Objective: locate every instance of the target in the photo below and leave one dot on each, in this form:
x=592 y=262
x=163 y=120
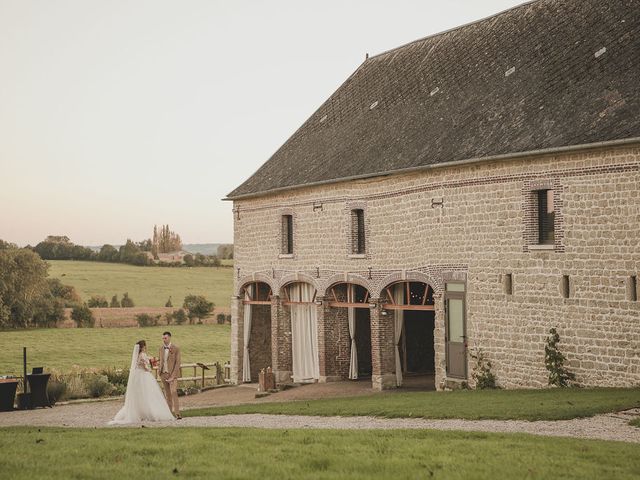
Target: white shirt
x=165 y=367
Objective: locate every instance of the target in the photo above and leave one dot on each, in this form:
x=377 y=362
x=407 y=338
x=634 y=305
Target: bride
x=143 y=400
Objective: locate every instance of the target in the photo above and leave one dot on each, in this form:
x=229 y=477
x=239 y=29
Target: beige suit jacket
x=173 y=361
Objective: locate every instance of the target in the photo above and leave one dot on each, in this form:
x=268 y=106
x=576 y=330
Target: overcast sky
x=118 y=115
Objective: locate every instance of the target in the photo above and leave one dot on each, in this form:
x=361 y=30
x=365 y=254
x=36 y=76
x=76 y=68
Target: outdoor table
x=38 y=388
x=7 y=394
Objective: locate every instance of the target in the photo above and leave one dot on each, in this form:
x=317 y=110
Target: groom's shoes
x=178 y=417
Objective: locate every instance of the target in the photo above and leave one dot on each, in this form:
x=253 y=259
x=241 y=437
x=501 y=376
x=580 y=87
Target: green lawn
x=635 y=422
x=545 y=404
x=148 y=286
x=61 y=348
x=57 y=453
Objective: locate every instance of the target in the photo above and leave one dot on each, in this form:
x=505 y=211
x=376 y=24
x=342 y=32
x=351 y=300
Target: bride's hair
x=141 y=344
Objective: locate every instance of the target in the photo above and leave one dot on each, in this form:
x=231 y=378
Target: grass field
x=106 y=347
x=148 y=286
x=544 y=404
x=32 y=453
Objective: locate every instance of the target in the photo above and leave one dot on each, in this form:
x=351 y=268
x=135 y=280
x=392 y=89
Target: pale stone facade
x=468 y=222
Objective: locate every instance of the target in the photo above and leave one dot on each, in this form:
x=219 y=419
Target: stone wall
x=475 y=222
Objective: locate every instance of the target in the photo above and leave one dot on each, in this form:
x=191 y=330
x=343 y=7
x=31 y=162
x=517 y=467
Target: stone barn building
x=469 y=190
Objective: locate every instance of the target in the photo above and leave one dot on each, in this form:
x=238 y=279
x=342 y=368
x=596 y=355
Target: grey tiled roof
x=543 y=75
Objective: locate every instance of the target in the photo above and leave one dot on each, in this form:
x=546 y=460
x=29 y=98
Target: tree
x=83 y=316
x=126 y=302
x=115 y=303
x=225 y=251
x=6 y=245
x=25 y=296
x=165 y=240
x=58 y=247
x=108 y=253
x=197 y=306
x=66 y=293
x=180 y=316
x=188 y=260
x=169 y=304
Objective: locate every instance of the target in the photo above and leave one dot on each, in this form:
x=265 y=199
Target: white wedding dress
x=143 y=400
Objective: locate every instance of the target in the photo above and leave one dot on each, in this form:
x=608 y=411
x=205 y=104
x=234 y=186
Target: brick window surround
x=530 y=207
x=286 y=233
x=357 y=229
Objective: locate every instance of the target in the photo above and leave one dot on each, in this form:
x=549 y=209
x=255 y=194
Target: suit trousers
x=171 y=393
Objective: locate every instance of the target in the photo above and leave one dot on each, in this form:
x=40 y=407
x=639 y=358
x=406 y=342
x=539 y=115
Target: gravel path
x=91 y=415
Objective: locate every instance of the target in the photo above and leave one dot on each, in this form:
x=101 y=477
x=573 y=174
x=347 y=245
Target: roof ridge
x=452 y=29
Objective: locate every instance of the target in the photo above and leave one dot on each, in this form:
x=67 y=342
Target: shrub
x=482 y=374
x=554 y=362
x=221 y=318
x=127 y=301
x=97 y=301
x=83 y=316
x=98 y=386
x=180 y=316
x=168 y=317
x=118 y=378
x=146 y=320
x=75 y=383
x=229 y=318
x=115 y=303
x=56 y=391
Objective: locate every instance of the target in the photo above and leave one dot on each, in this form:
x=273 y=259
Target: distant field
x=62 y=348
x=148 y=286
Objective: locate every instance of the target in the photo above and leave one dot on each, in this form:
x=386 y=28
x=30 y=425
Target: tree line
x=142 y=253
x=29 y=299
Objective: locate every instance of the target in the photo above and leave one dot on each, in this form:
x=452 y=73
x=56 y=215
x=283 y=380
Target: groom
x=169 y=367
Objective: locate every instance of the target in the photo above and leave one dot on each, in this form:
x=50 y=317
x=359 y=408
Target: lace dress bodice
x=143 y=362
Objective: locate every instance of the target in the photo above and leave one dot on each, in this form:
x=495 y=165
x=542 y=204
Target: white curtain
x=398 y=299
x=246 y=367
x=351 y=315
x=304 y=334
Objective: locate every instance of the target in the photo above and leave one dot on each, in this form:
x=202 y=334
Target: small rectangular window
x=455 y=287
x=507 y=281
x=287 y=234
x=358 y=243
x=546 y=217
x=632 y=288
x=565 y=287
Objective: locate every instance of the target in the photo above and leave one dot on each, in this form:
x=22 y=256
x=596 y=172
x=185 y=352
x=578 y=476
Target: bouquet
x=154 y=362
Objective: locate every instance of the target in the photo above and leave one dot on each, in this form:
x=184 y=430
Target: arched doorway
x=256 y=302
x=410 y=305
x=352 y=302
x=300 y=299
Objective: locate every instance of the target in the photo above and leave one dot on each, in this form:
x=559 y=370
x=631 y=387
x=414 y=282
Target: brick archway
x=255 y=277
x=293 y=278
x=410 y=276
x=345 y=278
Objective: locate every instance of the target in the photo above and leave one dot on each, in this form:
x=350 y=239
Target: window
x=546 y=217
x=565 y=288
x=358 y=244
x=287 y=234
x=632 y=288
x=507 y=281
